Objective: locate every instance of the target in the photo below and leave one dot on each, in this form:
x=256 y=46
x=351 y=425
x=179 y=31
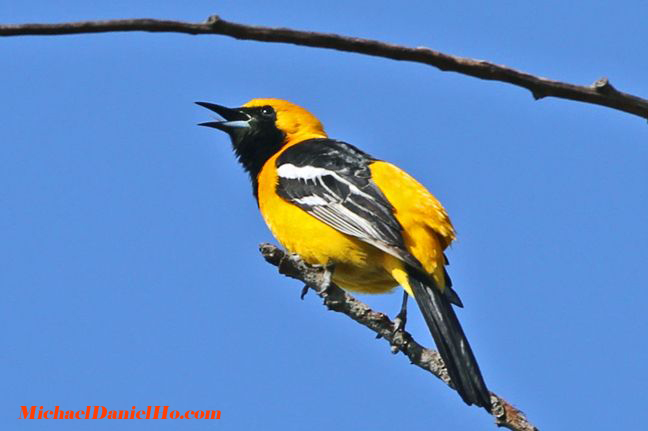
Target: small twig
x=338 y=300
x=538 y=86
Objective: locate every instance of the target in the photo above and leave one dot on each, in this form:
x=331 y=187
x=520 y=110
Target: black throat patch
x=255 y=145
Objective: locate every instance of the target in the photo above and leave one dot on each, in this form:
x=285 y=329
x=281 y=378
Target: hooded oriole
x=374 y=224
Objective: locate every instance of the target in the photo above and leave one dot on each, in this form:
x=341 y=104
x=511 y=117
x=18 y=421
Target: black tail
x=452 y=343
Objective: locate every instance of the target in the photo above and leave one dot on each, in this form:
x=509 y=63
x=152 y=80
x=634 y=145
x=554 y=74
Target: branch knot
x=213 y=20
x=603 y=86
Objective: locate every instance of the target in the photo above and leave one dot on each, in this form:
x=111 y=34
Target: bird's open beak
x=234 y=119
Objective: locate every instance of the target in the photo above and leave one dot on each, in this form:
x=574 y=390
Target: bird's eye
x=267 y=111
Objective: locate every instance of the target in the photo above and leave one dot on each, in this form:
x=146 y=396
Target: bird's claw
x=304 y=291
x=399 y=322
x=321 y=283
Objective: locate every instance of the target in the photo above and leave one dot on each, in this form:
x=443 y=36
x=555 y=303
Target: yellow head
x=295 y=121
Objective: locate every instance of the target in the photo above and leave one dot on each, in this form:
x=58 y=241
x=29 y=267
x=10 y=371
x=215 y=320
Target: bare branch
x=600 y=93
x=338 y=300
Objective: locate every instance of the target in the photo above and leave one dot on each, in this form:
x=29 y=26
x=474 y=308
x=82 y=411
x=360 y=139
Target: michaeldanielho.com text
x=101 y=412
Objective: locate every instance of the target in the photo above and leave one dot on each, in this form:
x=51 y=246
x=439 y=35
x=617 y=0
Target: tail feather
x=451 y=341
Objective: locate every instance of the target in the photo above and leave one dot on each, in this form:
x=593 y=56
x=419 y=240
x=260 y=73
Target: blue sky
x=130 y=271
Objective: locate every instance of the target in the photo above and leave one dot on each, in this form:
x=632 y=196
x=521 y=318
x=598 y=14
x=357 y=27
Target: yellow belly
x=369 y=280
x=357 y=265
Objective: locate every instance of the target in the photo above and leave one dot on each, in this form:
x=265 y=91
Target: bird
x=370 y=222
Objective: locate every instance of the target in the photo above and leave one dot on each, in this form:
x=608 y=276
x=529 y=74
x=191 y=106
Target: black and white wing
x=331 y=181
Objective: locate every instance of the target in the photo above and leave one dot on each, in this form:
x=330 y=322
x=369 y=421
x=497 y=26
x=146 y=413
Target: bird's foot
x=399 y=328
x=326 y=279
x=400 y=321
x=304 y=291
x=321 y=282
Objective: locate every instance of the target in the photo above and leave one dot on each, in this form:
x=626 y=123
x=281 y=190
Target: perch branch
x=600 y=92
x=338 y=300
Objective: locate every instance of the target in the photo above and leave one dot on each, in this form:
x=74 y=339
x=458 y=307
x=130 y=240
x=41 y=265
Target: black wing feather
x=331 y=180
